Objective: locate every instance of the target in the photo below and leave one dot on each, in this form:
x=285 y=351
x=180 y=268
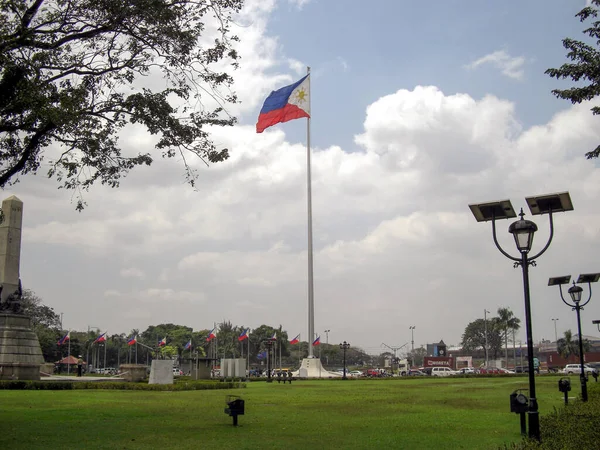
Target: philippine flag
x=296 y=340
x=243 y=335
x=162 y=342
x=262 y=355
x=132 y=340
x=65 y=338
x=274 y=337
x=101 y=338
x=317 y=341
x=188 y=345
x=211 y=335
x=285 y=104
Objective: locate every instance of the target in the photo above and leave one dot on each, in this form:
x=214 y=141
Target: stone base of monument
x=312 y=368
x=161 y=372
x=133 y=372
x=20 y=351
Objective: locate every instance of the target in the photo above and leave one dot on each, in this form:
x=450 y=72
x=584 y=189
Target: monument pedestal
x=20 y=351
x=133 y=372
x=312 y=368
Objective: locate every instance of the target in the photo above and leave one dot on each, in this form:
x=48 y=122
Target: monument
x=20 y=352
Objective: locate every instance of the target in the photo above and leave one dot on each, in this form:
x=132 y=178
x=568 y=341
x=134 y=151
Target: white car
x=443 y=372
x=576 y=369
x=467 y=371
x=177 y=372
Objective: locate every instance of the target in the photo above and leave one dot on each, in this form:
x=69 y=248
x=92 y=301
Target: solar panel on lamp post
x=523 y=232
x=575 y=294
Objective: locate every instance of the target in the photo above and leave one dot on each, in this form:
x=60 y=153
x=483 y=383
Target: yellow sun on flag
x=301 y=96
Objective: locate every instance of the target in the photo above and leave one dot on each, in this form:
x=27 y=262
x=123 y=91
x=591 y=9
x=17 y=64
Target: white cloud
x=299 y=3
x=510 y=66
x=132 y=272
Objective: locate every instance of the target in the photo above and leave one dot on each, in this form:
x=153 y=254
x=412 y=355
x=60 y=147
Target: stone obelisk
x=20 y=352
x=10 y=245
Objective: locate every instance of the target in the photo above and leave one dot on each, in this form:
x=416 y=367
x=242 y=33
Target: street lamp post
x=327 y=336
x=485 y=349
x=523 y=232
x=412 y=338
x=575 y=294
x=555 y=332
x=344 y=346
x=270 y=344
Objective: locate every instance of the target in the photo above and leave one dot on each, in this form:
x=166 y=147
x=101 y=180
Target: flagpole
x=248 y=352
x=311 y=299
x=69 y=355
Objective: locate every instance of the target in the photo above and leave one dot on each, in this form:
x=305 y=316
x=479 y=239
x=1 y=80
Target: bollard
x=564 y=385
x=235 y=408
x=518 y=405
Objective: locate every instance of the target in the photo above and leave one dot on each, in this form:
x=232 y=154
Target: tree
x=45 y=323
x=585 y=66
x=568 y=346
x=507 y=322
x=75 y=73
x=475 y=336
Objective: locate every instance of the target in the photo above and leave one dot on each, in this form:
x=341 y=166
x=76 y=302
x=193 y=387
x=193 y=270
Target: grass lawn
x=470 y=413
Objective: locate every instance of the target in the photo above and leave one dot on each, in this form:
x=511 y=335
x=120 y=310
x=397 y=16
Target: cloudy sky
x=419 y=108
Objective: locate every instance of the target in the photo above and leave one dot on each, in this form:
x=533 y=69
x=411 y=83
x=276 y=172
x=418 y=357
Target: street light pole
x=412 y=338
x=523 y=232
x=327 y=336
x=555 y=333
x=485 y=349
x=344 y=346
x=575 y=294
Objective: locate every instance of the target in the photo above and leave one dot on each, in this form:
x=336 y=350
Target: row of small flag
x=133 y=339
x=67 y=337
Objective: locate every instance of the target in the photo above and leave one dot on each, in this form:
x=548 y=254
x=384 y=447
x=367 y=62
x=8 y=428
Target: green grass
x=470 y=413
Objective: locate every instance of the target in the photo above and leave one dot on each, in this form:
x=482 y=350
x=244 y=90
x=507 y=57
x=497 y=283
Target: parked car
x=177 y=372
x=416 y=373
x=355 y=373
x=576 y=368
x=488 y=370
x=443 y=371
x=467 y=370
x=522 y=369
x=507 y=371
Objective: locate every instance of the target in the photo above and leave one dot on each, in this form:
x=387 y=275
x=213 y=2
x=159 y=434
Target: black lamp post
x=270 y=344
x=344 y=346
x=523 y=232
x=575 y=294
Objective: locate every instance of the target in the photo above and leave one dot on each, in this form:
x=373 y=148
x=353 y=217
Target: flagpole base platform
x=20 y=352
x=313 y=368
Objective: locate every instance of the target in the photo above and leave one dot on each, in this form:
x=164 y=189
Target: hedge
x=124 y=386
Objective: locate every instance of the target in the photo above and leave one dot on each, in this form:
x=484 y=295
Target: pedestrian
x=79 y=366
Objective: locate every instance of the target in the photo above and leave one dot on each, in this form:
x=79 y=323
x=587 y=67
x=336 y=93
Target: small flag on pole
x=188 y=345
x=132 y=340
x=285 y=104
x=65 y=338
x=211 y=335
x=274 y=337
x=243 y=335
x=262 y=355
x=317 y=341
x=162 y=342
x=296 y=340
x=101 y=338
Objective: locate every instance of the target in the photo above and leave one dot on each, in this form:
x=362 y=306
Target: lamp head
x=523 y=231
x=575 y=293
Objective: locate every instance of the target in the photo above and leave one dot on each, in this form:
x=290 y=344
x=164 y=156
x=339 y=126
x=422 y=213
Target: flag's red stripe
x=285 y=114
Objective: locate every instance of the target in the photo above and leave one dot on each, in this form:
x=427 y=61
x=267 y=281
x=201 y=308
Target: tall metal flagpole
x=69 y=355
x=311 y=298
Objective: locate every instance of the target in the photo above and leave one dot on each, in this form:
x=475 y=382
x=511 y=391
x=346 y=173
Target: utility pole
x=394 y=349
